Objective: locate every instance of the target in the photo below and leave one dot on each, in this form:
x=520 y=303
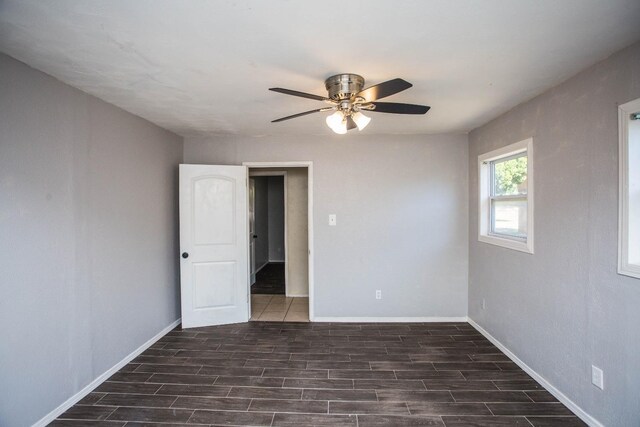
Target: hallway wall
x=276 y=218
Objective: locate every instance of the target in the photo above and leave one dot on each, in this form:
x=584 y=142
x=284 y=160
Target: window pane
x=509 y=217
x=510 y=176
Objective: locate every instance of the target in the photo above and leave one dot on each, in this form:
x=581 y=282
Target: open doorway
x=267 y=239
x=279 y=246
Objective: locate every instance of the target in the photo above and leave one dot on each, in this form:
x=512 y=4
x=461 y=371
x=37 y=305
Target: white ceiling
x=204 y=66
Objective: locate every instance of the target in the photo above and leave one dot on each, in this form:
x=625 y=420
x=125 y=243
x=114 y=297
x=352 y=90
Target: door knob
x=255 y=236
x=185 y=255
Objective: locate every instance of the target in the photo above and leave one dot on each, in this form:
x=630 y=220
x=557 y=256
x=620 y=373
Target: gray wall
x=401 y=205
x=261 y=220
x=88 y=243
x=565 y=308
x=276 y=218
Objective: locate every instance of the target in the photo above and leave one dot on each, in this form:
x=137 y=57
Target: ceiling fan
x=348 y=100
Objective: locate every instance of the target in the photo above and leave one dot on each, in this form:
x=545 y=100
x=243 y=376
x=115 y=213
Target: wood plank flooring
x=321 y=374
x=270 y=280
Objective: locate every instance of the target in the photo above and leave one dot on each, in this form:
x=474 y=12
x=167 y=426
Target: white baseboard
x=389 y=319
x=584 y=416
x=279 y=261
x=298 y=296
x=261 y=267
x=102 y=378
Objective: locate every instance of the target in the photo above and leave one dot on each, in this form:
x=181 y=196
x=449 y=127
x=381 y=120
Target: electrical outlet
x=597 y=377
x=378 y=294
x=484 y=304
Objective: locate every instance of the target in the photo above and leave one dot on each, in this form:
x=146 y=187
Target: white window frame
x=624 y=117
x=484 y=197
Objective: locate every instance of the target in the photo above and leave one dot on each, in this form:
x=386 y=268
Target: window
x=506 y=197
x=629 y=200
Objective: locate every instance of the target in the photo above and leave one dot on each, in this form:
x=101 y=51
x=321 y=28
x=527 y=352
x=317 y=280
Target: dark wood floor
x=270 y=280
x=319 y=374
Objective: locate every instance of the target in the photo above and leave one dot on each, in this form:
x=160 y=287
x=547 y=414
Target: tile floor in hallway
x=274 y=308
x=321 y=374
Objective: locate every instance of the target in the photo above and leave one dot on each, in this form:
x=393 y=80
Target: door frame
x=252 y=254
x=286 y=252
x=294 y=164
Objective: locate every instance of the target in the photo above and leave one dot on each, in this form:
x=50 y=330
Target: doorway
x=279 y=236
x=267 y=232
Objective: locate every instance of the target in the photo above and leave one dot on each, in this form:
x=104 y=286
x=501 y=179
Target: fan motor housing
x=344 y=86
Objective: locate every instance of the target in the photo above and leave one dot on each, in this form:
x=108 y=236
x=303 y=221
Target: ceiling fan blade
x=300 y=94
x=399 y=108
x=351 y=124
x=384 y=89
x=301 y=114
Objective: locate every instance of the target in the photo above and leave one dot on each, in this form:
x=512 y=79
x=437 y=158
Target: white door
x=252 y=229
x=213 y=244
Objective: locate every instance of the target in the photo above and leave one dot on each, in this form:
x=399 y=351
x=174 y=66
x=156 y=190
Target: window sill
x=631 y=270
x=515 y=245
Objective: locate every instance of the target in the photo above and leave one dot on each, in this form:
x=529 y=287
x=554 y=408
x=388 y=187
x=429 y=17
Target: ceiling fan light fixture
x=347 y=98
x=361 y=120
x=337 y=122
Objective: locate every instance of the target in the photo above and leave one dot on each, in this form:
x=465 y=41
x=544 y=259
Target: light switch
x=597 y=377
x=332 y=219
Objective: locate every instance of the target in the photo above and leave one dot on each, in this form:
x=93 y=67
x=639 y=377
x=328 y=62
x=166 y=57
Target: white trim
x=252 y=252
x=285 y=197
x=103 y=377
x=311 y=247
x=266 y=173
x=483 y=196
x=624 y=267
x=249 y=238
x=262 y=266
x=581 y=413
x=277 y=261
x=310 y=236
x=293 y=164
x=390 y=319
x=505 y=243
x=299 y=296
